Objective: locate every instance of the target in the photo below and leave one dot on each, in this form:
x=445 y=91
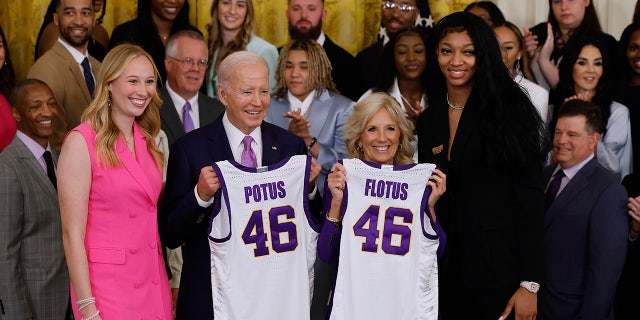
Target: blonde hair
x=318 y=65
x=363 y=111
x=215 y=33
x=98 y=114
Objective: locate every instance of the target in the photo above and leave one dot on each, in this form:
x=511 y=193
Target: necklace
x=409 y=103
x=452 y=106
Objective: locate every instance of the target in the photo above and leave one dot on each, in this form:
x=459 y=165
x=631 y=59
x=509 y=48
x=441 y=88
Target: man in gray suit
x=184 y=108
x=34 y=283
x=68 y=68
x=586 y=225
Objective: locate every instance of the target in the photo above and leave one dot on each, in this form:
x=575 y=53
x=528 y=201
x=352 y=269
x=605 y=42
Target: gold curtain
x=353 y=24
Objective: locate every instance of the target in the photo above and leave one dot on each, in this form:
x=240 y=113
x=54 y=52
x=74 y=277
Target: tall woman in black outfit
x=486 y=135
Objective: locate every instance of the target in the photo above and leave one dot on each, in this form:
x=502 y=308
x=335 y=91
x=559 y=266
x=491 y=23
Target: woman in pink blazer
x=109 y=182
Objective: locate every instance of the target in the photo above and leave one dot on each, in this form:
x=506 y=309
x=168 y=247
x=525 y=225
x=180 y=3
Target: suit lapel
x=170 y=115
x=571 y=190
x=319 y=109
x=205 y=110
x=271 y=150
x=74 y=68
x=132 y=164
x=32 y=165
x=218 y=137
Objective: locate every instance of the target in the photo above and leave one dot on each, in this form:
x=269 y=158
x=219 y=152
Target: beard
x=312 y=33
x=65 y=33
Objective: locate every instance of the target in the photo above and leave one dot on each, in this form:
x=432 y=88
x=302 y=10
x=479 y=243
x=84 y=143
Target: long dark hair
x=496 y=16
x=387 y=70
x=565 y=88
x=7 y=74
x=624 y=43
x=509 y=126
x=590 y=26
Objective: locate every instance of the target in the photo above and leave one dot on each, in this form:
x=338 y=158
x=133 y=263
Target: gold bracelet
x=334 y=220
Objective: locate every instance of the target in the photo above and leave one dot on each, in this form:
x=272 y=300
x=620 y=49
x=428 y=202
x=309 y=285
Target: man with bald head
x=34 y=283
x=243 y=89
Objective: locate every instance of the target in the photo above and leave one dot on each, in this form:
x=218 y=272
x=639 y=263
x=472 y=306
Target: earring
x=517 y=66
x=109 y=101
x=6 y=63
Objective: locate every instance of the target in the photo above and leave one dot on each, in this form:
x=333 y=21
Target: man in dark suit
x=186 y=64
x=34 y=283
x=305 y=21
x=68 y=68
x=183 y=108
x=395 y=16
x=191 y=181
x=586 y=226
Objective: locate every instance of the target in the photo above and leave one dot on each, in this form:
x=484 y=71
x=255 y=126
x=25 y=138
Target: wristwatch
x=531 y=286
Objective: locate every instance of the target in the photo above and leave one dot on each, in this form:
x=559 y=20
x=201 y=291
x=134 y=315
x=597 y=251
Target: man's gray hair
x=235 y=60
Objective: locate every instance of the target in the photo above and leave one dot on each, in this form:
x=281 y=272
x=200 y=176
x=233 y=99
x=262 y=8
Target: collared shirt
x=36 y=149
x=178 y=103
x=569 y=173
x=321 y=38
x=77 y=56
x=304 y=106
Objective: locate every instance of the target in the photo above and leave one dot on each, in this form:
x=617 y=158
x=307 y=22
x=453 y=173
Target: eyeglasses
x=405 y=8
x=189 y=62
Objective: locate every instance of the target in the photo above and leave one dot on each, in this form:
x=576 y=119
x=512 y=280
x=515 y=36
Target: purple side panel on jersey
x=435 y=225
x=217 y=206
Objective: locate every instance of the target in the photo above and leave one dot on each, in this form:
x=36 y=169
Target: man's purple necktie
x=186 y=118
x=248 y=156
x=554 y=188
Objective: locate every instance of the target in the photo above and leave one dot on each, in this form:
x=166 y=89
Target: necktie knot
x=51 y=171
x=88 y=77
x=554 y=187
x=187 y=122
x=248 y=158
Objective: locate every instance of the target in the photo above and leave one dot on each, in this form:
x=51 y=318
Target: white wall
x=614 y=15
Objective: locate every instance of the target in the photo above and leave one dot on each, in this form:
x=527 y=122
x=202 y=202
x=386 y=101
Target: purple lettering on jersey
x=288 y=227
x=386 y=189
x=403 y=195
x=265 y=191
x=390 y=228
x=368 y=187
x=281 y=190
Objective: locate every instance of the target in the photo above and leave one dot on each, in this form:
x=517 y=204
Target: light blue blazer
x=328 y=115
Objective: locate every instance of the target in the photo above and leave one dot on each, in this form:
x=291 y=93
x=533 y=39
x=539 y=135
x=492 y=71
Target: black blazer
x=493 y=216
x=209 y=110
x=184 y=222
x=367 y=61
x=344 y=70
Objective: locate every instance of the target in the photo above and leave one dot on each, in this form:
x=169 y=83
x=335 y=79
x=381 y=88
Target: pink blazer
x=127 y=273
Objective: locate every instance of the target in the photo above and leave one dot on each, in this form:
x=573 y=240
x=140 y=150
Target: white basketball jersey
x=263 y=241
x=388 y=249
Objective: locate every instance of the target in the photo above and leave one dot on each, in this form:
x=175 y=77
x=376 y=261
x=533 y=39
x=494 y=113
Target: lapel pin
x=274 y=148
x=437 y=149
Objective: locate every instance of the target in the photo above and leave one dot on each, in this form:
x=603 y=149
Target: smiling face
x=587 y=70
x=246 y=96
x=633 y=53
x=35 y=113
x=231 y=14
x=296 y=74
x=166 y=10
x=132 y=91
x=395 y=19
x=572 y=142
x=380 y=138
x=457 y=59
x=186 y=81
x=569 y=13
x=305 y=18
x=510 y=46
x=75 y=20
x=410 y=56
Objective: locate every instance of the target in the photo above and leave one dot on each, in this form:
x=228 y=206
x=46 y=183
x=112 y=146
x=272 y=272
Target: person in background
x=109 y=181
x=586 y=72
x=488 y=11
x=517 y=61
x=49 y=33
x=231 y=30
x=484 y=132
x=630 y=55
x=402 y=74
x=305 y=21
x=395 y=15
x=7 y=80
x=68 y=68
x=34 y=283
x=155 y=23
x=586 y=226
x=546 y=42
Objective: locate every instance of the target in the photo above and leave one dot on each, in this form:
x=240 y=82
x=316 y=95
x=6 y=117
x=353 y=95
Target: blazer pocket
x=107 y=255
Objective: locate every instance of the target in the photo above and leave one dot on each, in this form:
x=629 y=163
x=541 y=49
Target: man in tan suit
x=67 y=68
